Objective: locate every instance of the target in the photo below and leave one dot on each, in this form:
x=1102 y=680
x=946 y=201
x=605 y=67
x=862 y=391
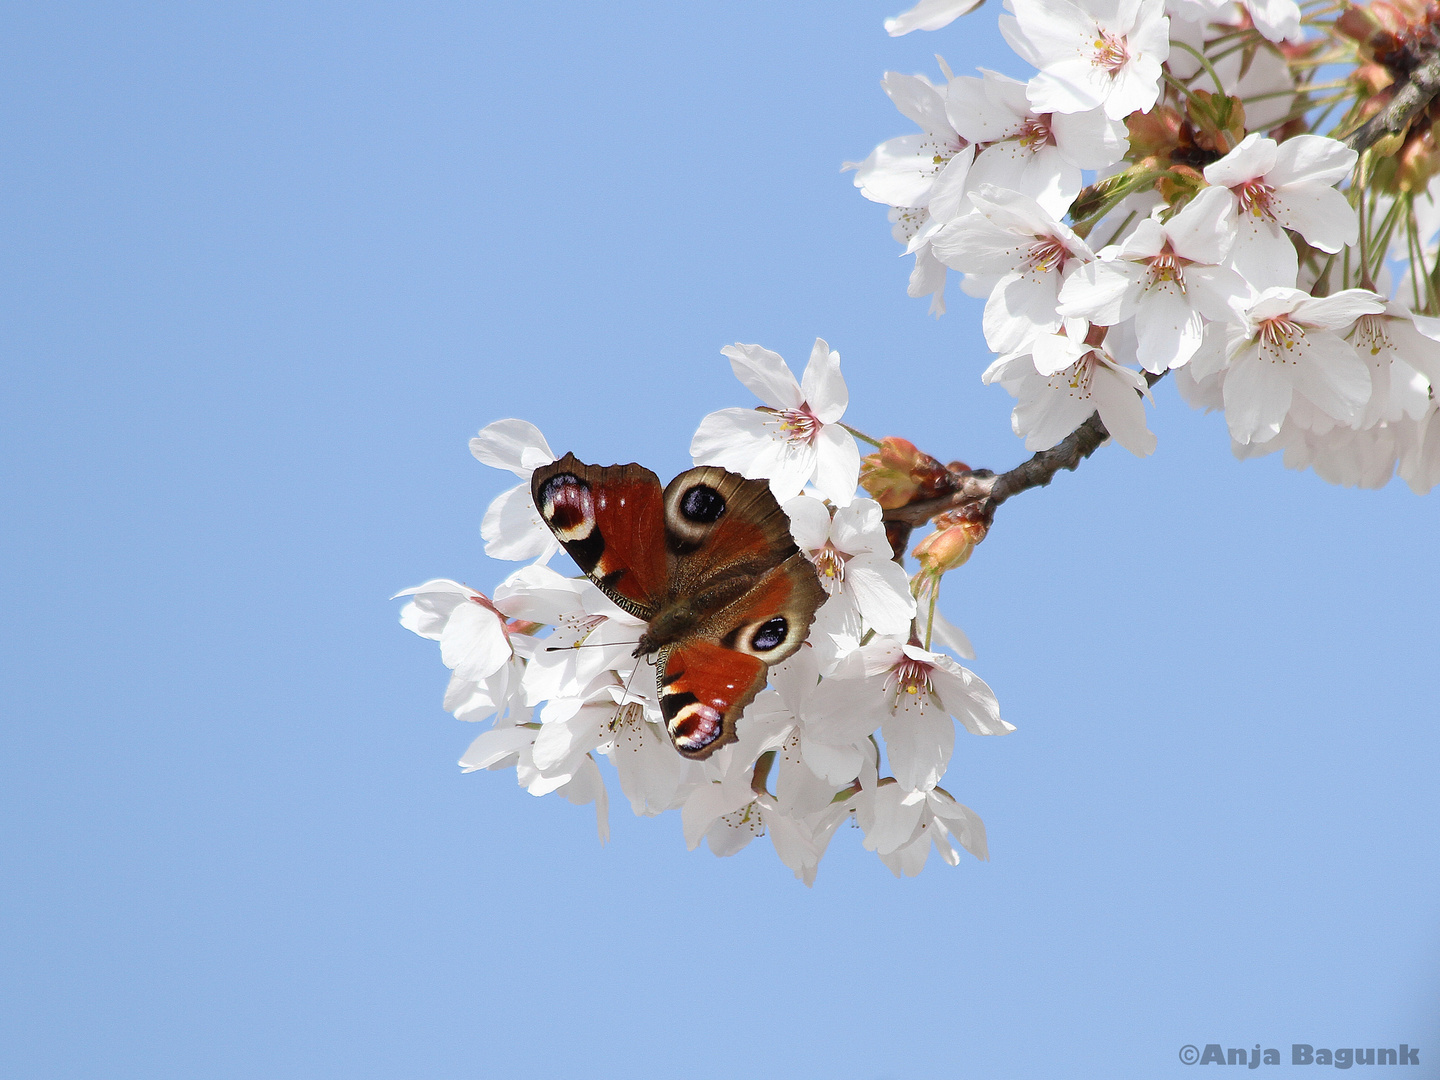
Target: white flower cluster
x=548 y=659
x=1212 y=240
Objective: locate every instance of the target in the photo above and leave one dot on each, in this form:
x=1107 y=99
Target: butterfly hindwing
x=611 y=521
x=706 y=683
x=703 y=689
x=773 y=618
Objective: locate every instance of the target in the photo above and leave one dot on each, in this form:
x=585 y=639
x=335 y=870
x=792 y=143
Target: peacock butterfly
x=708 y=563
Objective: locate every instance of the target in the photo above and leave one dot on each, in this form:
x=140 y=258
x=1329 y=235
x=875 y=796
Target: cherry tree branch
x=986 y=490
x=1409 y=101
x=979 y=492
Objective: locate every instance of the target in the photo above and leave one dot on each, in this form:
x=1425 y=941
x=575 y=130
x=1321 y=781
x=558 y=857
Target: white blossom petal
x=823 y=387
x=516 y=445
x=929 y=15
x=765 y=375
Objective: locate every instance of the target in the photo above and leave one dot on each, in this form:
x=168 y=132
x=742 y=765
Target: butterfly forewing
x=718 y=524
x=611 y=521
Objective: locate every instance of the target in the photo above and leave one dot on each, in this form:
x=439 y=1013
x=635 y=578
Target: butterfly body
x=708 y=562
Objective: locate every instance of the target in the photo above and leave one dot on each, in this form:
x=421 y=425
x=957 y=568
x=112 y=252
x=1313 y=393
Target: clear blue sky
x=267 y=267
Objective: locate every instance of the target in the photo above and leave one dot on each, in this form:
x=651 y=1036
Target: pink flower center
x=797 y=425
x=1048 y=253
x=1255 y=197
x=1280 y=333
x=830 y=565
x=1110 y=51
x=1035 y=132
x=909 y=683
x=1166 y=267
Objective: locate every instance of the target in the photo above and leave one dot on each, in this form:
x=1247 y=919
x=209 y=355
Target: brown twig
x=981 y=491
x=1409 y=101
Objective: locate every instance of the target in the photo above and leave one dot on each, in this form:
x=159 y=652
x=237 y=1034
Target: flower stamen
x=1035 y=132
x=1110 y=51
x=1255 y=197
x=1280 y=333
x=1166 y=267
x=1370 y=334
x=830 y=566
x=797 y=426
x=908 y=683
x=1048 y=253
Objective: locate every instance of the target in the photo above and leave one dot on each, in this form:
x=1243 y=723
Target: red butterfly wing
x=611 y=521
x=703 y=689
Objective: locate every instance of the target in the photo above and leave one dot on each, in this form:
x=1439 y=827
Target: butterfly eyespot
x=567 y=505
x=770 y=635
x=702 y=504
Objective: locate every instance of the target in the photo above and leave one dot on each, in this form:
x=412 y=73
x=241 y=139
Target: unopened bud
x=951 y=543
x=1417 y=162
x=1180 y=184
x=1218 y=118
x=1360 y=24
x=1154 y=134
x=898 y=474
x=1393 y=18
x=1371 y=79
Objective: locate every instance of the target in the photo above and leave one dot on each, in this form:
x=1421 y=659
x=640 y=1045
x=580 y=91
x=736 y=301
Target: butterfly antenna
x=628 y=682
x=589 y=645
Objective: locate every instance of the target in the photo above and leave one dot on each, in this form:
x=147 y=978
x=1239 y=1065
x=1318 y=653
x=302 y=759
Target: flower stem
x=930 y=616
x=862 y=436
x=1204 y=62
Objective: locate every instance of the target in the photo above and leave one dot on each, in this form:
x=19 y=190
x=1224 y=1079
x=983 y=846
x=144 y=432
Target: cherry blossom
x=1338 y=455
x=901 y=825
x=1012 y=237
x=1059 y=381
x=922 y=177
x=929 y=15
x=1164 y=275
x=1036 y=154
x=1419 y=450
x=1402 y=351
x=905 y=171
x=868 y=589
x=916 y=692
x=1291 y=344
x=1278 y=186
x=796 y=437
x=1162 y=193
x=653 y=777
x=1088 y=60
x=820 y=730
x=474 y=642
